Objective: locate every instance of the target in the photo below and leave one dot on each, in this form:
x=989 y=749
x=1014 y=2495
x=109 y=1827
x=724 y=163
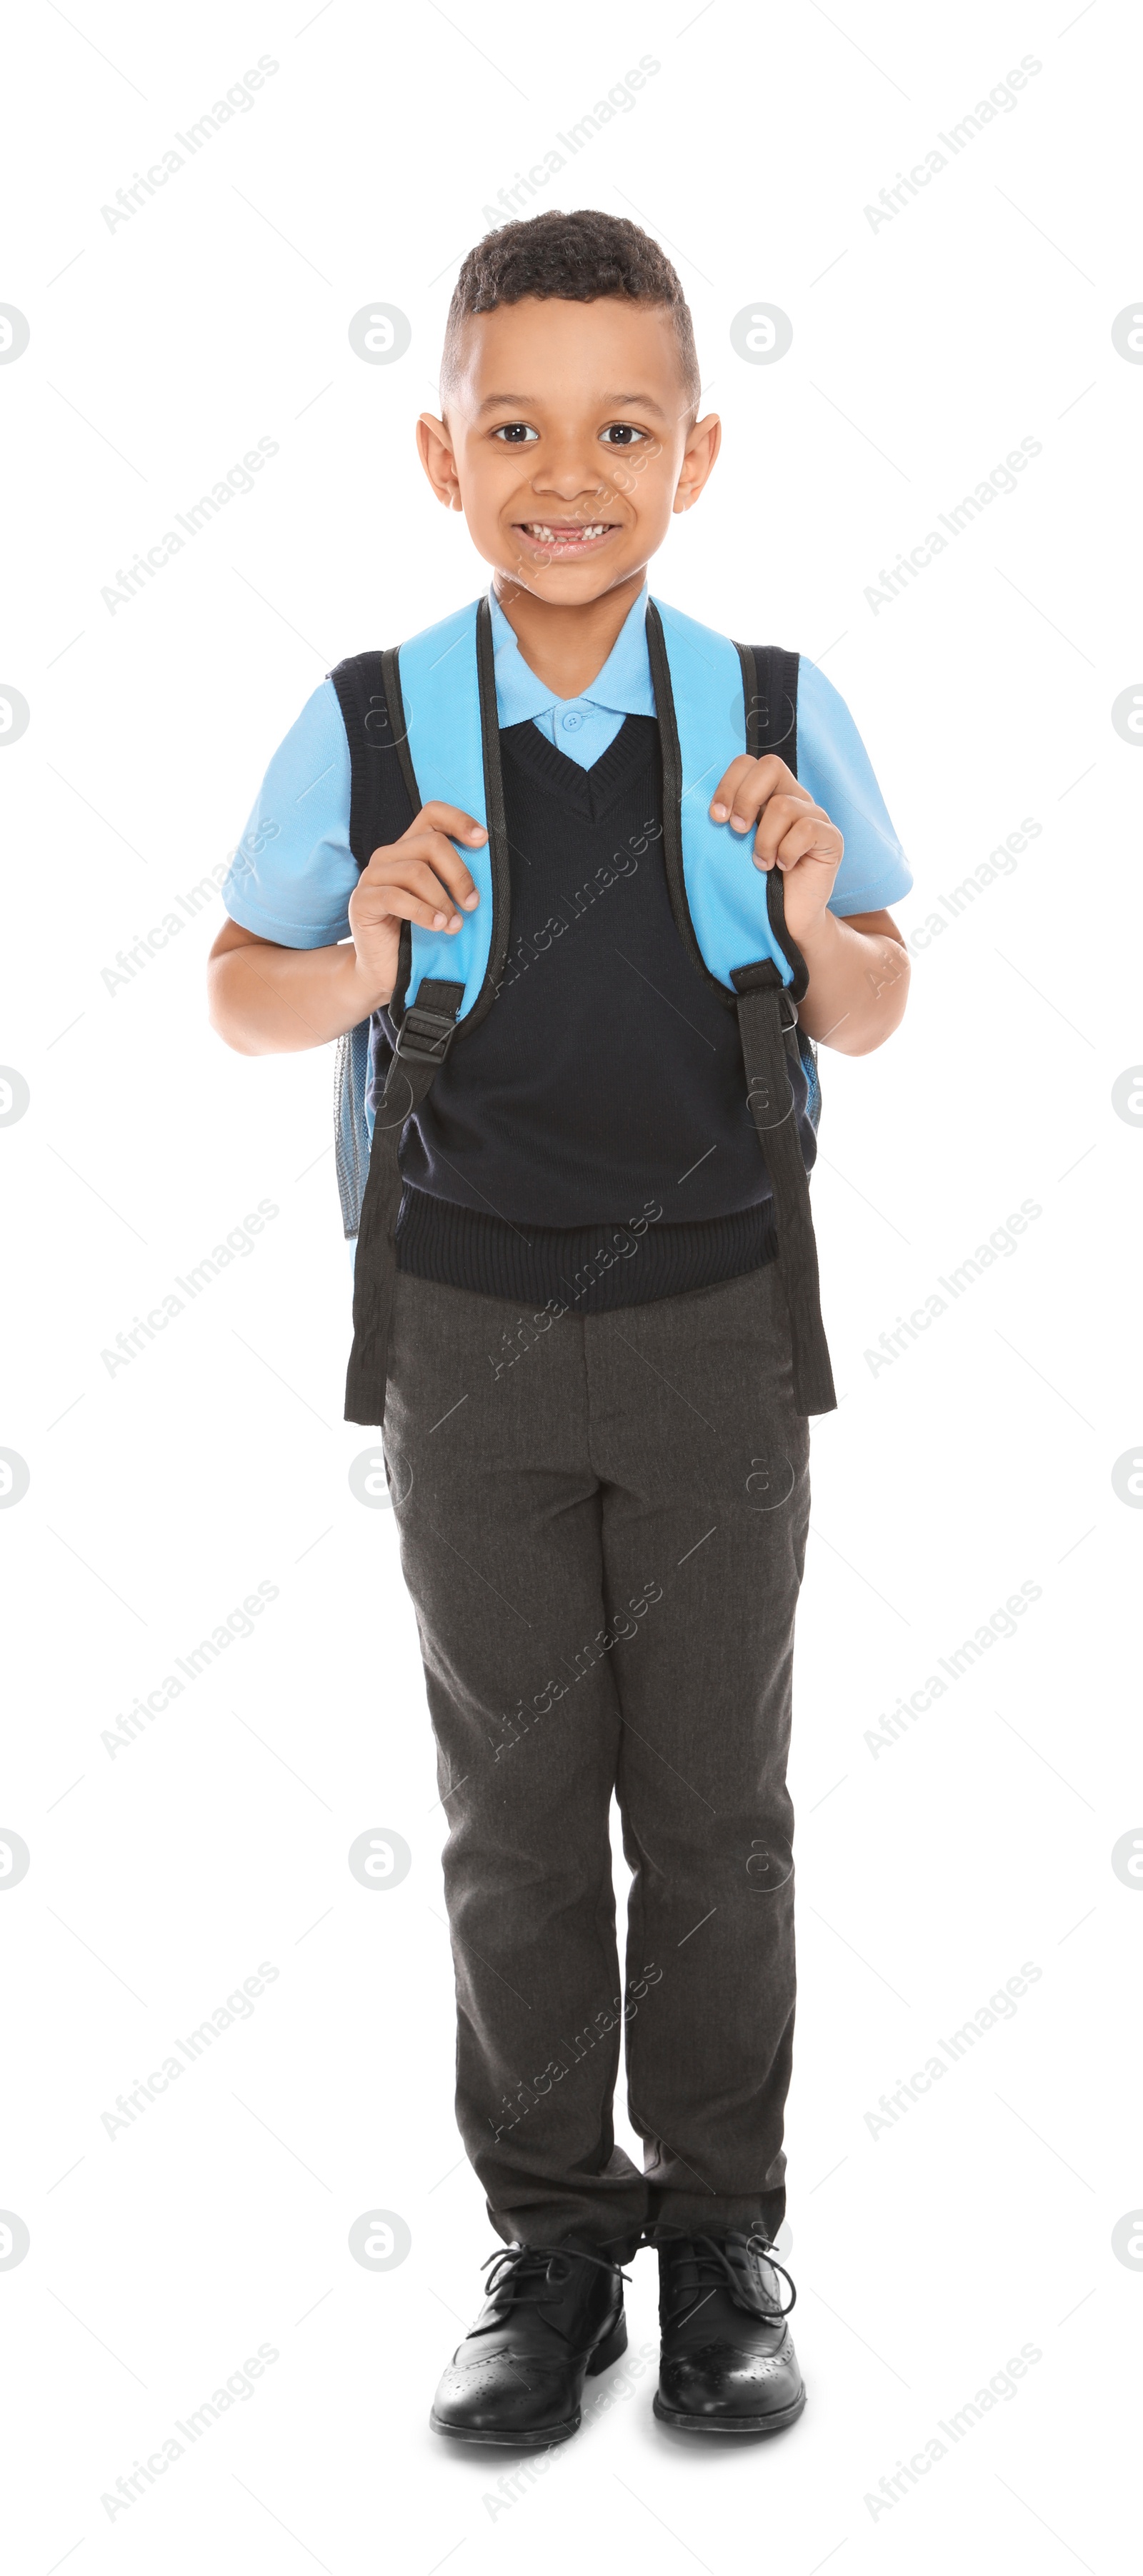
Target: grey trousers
x=602 y=1524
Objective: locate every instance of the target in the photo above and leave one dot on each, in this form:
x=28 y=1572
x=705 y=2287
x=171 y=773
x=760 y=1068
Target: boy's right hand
x=419 y=878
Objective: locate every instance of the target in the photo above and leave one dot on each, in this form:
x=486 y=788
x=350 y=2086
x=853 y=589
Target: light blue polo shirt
x=582 y=727
x=294 y=872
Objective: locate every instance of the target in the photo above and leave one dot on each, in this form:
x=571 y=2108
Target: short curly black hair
x=576 y=257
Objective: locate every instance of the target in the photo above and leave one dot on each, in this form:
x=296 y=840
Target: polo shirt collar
x=622 y=687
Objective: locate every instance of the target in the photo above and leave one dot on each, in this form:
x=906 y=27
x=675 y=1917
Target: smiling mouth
x=566 y=536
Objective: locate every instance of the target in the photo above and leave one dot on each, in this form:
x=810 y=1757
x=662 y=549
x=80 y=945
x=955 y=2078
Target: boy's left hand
x=793 y=834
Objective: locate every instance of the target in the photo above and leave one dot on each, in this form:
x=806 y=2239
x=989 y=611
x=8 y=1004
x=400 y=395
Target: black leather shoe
x=554 y=2317
x=728 y=2360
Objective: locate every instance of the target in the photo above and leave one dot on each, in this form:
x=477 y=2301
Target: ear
x=436 y=453
x=703 y=443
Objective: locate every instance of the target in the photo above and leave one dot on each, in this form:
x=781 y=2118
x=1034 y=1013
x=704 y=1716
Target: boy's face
x=568 y=442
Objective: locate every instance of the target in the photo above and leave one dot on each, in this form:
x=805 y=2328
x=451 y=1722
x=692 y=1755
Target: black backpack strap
x=498 y=853
x=369 y=692
x=363 y=690
x=768 y=1026
x=770 y=698
x=671 y=758
x=423 y=1040
x=767 y=1009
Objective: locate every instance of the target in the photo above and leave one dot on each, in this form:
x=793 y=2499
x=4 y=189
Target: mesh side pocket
x=809 y=1055
x=350 y=1131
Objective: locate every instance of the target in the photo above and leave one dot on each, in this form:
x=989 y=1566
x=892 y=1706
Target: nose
x=568 y=474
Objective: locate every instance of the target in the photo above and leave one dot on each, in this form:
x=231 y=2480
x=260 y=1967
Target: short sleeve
x=834 y=764
x=293 y=871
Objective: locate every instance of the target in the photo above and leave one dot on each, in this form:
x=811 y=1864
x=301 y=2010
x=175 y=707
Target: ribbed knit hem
x=589 y=1270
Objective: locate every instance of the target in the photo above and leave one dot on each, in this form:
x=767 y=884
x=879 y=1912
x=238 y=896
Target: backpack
x=433 y=700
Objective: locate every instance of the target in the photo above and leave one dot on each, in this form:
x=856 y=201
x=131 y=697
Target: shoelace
x=527 y=2275
x=706 y=2266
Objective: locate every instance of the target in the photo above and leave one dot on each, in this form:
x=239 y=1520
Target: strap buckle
x=763 y=976
x=424 y=1036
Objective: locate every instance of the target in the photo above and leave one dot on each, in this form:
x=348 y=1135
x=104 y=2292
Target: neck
x=566 y=646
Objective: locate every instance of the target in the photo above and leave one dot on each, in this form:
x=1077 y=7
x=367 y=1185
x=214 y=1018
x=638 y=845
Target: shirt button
x=571 y=720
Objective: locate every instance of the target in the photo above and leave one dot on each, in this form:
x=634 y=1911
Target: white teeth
x=565 y=537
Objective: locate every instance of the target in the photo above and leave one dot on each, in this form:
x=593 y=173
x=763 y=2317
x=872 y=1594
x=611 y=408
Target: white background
x=980 y=1459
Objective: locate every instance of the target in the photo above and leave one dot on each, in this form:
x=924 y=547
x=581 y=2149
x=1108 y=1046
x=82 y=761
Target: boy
x=585 y=1303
